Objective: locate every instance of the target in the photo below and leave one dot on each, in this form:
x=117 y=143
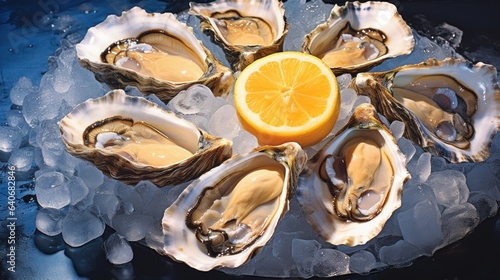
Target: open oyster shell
x=356 y=181
x=359 y=36
x=131 y=139
x=151 y=52
x=450 y=107
x=225 y=217
x=246 y=30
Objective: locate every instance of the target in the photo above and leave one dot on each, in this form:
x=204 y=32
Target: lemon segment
x=287 y=96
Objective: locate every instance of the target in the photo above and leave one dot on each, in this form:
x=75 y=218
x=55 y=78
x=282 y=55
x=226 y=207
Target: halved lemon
x=287 y=97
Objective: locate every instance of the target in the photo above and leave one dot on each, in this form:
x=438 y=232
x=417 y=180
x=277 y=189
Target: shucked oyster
x=247 y=30
x=356 y=181
x=230 y=212
x=358 y=36
x=153 y=52
x=451 y=107
x=131 y=139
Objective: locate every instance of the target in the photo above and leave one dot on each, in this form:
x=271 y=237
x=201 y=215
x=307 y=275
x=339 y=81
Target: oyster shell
x=246 y=30
x=224 y=218
x=358 y=36
x=139 y=49
x=131 y=139
x=356 y=181
x=450 y=107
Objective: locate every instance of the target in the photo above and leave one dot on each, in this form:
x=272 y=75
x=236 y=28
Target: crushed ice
x=444 y=201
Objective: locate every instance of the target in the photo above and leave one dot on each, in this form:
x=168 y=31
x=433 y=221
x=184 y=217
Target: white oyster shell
x=231 y=21
x=366 y=17
x=181 y=242
x=320 y=196
x=207 y=150
x=472 y=115
x=131 y=24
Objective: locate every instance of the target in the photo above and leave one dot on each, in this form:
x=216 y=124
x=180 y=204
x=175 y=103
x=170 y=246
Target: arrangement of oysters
x=232 y=206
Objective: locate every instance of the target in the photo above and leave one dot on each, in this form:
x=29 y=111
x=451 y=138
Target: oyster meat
x=224 y=218
x=450 y=107
x=153 y=52
x=246 y=30
x=131 y=139
x=356 y=181
x=358 y=36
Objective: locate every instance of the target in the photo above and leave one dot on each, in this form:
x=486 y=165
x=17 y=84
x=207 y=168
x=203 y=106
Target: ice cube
x=92 y=176
x=50 y=141
x=344 y=80
x=62 y=79
x=330 y=262
x=407 y=148
x=397 y=128
x=20 y=90
x=49 y=221
x=481 y=178
x=146 y=191
x=10 y=140
x=224 y=122
x=421 y=225
x=458 y=221
x=244 y=142
x=129 y=197
x=77 y=188
x=24 y=161
x=193 y=100
x=43 y=105
x=118 y=250
x=51 y=190
x=15 y=118
x=422 y=169
x=449 y=186
x=307 y=15
x=399 y=254
x=80 y=227
x=361 y=99
x=132 y=226
x=154 y=236
x=84 y=86
x=362 y=262
x=303 y=253
x=486 y=206
x=105 y=205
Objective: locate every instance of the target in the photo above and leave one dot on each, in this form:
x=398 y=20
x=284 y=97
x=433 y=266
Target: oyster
x=358 y=36
x=230 y=212
x=131 y=139
x=356 y=181
x=246 y=30
x=450 y=107
x=153 y=52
